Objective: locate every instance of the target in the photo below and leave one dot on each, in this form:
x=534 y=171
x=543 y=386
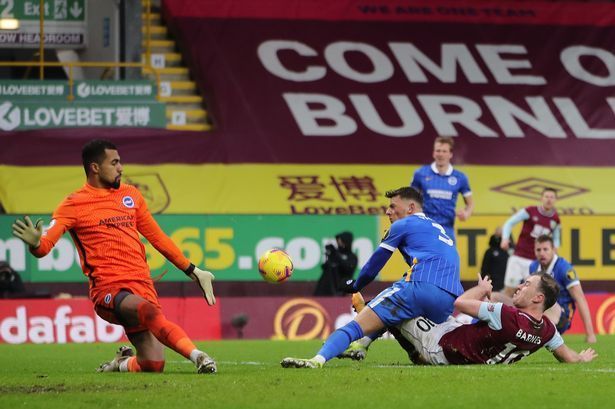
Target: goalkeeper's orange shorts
x=104 y=299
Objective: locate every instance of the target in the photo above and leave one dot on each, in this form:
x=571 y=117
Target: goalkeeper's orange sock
x=133 y=364
x=165 y=331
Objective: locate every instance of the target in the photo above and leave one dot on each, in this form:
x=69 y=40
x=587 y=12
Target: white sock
x=365 y=341
x=194 y=355
x=124 y=365
x=320 y=358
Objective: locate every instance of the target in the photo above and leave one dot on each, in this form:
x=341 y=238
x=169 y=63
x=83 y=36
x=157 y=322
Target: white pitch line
x=411 y=366
x=223 y=362
x=244 y=363
x=513 y=368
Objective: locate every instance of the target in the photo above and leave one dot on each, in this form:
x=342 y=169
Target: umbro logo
x=532 y=188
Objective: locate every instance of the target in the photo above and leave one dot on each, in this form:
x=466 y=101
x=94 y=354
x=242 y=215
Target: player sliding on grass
x=104 y=219
x=428 y=289
x=503 y=334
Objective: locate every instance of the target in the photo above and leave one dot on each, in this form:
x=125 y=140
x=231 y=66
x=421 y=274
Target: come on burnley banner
x=516 y=82
x=372 y=82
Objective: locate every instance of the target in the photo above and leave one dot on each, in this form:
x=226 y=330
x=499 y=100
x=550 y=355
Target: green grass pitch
x=62 y=376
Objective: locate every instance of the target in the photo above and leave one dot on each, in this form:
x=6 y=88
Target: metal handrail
x=41 y=39
x=71 y=64
x=148 y=22
x=147 y=66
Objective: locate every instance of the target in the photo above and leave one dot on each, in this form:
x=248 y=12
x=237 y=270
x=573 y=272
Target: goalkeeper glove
x=28 y=232
x=203 y=278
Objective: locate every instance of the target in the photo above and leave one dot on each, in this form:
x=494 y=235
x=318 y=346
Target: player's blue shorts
x=565 y=320
x=409 y=299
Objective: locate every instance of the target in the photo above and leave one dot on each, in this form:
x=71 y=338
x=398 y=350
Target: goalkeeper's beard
x=115 y=184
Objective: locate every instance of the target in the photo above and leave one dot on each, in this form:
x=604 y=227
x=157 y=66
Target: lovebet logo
x=83 y=90
x=10 y=116
x=42 y=117
x=55 y=114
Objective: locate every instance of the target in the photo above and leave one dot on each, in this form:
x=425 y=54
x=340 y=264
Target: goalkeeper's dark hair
x=549 y=287
x=407 y=193
x=94 y=152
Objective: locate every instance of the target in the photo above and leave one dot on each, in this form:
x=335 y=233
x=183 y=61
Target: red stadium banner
x=61 y=321
x=602 y=307
x=280 y=318
x=284 y=318
x=54 y=322
x=74 y=320
x=329 y=82
x=354 y=81
x=468 y=11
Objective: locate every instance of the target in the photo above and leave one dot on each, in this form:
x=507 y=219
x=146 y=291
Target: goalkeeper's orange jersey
x=105 y=226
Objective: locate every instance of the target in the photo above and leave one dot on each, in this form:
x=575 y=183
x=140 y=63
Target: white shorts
x=425 y=335
x=517 y=270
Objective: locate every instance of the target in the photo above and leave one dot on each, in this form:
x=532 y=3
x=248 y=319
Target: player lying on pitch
x=503 y=334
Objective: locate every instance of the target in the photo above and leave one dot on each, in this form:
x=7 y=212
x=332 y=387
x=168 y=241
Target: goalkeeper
x=104 y=218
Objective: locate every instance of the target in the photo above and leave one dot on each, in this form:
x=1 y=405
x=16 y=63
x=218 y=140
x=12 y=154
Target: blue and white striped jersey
x=425 y=246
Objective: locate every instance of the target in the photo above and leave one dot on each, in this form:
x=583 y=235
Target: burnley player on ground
x=503 y=334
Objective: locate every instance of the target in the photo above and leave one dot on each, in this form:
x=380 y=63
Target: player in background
x=428 y=289
x=537 y=220
x=440 y=185
x=104 y=218
x=571 y=294
x=503 y=334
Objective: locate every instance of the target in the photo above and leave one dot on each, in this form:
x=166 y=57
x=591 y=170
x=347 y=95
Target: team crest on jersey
x=535 y=219
x=452 y=180
x=107 y=298
x=128 y=202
